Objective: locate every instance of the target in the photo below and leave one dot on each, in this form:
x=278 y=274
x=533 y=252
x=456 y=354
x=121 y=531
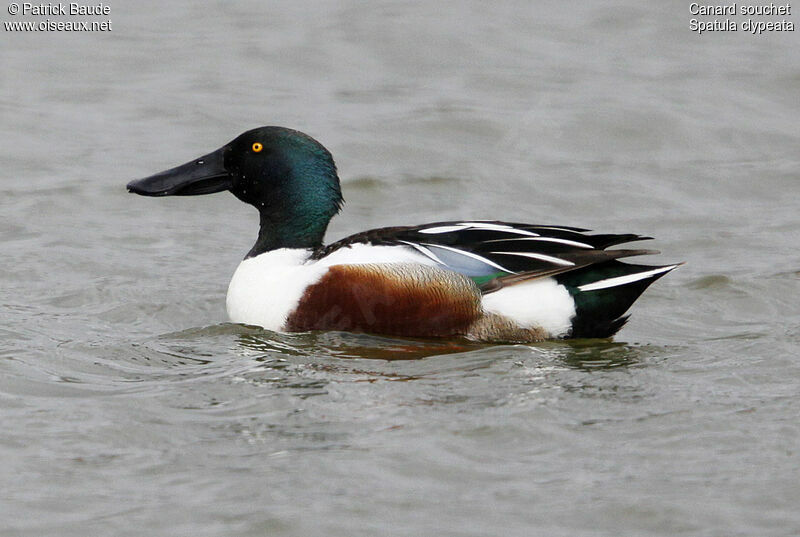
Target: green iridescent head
x=287 y=175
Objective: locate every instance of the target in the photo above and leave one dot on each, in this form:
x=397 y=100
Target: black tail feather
x=600 y=313
x=588 y=327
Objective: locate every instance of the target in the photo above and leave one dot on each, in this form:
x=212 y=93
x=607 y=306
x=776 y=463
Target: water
x=130 y=407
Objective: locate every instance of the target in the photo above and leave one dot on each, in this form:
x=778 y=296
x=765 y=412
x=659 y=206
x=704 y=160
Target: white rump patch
x=622 y=280
x=541 y=303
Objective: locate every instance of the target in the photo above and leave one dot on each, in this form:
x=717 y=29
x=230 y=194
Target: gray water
x=129 y=406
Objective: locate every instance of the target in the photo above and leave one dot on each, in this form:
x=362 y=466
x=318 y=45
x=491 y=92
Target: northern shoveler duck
x=483 y=280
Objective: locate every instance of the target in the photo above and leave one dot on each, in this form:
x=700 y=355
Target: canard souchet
x=486 y=280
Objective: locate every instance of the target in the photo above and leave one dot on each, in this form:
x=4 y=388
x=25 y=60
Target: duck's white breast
x=267 y=288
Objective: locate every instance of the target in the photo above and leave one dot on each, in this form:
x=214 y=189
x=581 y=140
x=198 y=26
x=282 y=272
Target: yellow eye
x=257 y=147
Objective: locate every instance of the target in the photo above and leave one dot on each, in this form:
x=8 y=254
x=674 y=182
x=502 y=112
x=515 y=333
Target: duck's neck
x=281 y=231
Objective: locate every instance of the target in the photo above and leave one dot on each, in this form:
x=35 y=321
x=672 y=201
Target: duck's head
x=285 y=174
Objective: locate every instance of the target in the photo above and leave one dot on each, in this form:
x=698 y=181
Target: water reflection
x=305 y=364
x=587 y=354
x=352 y=346
x=263 y=345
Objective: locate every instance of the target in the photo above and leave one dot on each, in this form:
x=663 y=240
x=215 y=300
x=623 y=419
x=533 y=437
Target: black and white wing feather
x=492 y=251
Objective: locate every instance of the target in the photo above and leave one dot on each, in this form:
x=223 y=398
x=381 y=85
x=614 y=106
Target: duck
x=483 y=280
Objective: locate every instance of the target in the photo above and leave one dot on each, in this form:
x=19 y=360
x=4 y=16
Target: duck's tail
x=604 y=292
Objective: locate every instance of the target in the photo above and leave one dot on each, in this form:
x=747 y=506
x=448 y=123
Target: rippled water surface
x=130 y=406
